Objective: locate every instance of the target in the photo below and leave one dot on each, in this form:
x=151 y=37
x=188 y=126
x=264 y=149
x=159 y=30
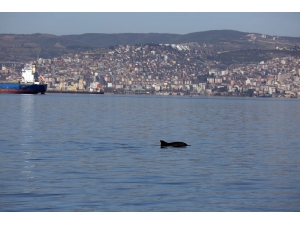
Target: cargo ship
x=30 y=83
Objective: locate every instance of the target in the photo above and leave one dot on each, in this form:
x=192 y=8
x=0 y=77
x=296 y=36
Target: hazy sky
x=62 y=23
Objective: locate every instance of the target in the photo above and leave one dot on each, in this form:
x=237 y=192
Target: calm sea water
x=72 y=152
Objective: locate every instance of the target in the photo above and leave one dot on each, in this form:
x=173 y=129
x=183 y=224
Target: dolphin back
x=173 y=144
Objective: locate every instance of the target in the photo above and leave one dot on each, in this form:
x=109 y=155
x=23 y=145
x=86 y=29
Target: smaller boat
x=266 y=95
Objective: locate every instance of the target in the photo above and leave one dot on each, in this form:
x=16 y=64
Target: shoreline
x=112 y=93
x=75 y=92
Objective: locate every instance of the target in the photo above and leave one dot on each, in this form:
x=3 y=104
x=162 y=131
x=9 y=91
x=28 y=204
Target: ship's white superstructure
x=30 y=75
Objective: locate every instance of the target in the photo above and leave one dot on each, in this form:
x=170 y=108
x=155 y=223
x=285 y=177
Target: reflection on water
x=64 y=152
x=26 y=140
x=27 y=117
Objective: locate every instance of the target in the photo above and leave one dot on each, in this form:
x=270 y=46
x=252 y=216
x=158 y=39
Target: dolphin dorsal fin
x=163 y=142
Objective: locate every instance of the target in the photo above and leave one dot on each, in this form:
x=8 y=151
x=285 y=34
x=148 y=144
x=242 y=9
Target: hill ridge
x=25 y=46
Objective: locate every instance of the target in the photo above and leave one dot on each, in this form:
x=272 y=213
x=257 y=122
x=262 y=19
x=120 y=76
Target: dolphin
x=173 y=144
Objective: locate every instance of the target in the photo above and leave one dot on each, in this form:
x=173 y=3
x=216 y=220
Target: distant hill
x=16 y=47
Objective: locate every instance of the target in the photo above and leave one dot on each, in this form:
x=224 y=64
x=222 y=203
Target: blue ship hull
x=23 y=88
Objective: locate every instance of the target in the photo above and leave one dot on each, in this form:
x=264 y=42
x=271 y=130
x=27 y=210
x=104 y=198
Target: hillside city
x=164 y=69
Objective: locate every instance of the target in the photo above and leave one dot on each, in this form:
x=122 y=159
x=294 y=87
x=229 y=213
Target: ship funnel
x=33 y=68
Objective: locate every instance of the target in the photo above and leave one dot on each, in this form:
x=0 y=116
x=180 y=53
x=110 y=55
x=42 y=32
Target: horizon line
x=146 y=33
